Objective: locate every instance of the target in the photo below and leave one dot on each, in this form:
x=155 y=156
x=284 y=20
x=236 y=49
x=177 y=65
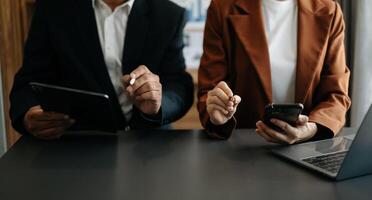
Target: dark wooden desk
x=162 y=165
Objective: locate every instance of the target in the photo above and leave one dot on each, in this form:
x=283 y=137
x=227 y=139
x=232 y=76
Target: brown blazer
x=236 y=51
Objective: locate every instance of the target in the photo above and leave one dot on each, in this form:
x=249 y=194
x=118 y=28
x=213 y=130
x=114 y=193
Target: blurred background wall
x=361 y=54
x=193 y=37
x=14 y=22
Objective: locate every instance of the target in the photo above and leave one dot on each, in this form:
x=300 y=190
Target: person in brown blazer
x=236 y=74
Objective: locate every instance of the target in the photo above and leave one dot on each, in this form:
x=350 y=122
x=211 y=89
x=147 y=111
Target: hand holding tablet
x=61 y=108
x=46 y=125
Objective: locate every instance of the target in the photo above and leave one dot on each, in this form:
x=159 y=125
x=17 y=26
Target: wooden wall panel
x=26 y=10
x=14 y=17
x=191 y=119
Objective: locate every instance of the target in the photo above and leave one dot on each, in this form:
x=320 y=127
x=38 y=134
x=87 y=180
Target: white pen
x=131 y=82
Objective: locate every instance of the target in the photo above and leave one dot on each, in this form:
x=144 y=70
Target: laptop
x=338 y=158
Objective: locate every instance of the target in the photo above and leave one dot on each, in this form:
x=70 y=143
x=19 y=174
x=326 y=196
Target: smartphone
x=285 y=112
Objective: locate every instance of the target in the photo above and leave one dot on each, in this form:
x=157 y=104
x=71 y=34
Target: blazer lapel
x=313 y=26
x=136 y=35
x=95 y=66
x=87 y=27
x=249 y=28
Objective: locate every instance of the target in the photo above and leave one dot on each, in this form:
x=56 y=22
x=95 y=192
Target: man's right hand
x=221 y=104
x=46 y=125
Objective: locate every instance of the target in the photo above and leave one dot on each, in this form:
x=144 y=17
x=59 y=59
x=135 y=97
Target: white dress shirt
x=112 y=26
x=280 y=18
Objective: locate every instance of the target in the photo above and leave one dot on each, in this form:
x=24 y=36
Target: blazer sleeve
x=213 y=69
x=37 y=66
x=331 y=96
x=177 y=84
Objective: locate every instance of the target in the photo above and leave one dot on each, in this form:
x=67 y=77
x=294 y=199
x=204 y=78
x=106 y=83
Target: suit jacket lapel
x=136 y=35
x=313 y=26
x=249 y=27
x=87 y=26
x=95 y=66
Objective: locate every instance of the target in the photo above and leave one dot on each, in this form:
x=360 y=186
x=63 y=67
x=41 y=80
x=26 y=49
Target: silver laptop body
x=338 y=158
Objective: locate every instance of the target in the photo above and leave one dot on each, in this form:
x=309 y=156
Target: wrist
x=223 y=131
x=147 y=109
x=313 y=128
x=152 y=117
x=217 y=123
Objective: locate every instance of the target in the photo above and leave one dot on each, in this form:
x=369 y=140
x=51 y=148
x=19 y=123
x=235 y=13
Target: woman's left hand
x=303 y=131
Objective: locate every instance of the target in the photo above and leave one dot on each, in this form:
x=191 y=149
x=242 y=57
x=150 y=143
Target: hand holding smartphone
x=286 y=112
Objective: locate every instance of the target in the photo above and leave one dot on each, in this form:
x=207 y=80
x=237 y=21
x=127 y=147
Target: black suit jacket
x=63 y=48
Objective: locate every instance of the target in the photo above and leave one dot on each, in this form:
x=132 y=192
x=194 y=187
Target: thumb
x=125 y=80
x=237 y=101
x=36 y=109
x=302 y=120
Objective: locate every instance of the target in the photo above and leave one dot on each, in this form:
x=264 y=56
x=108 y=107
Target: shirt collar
x=129 y=3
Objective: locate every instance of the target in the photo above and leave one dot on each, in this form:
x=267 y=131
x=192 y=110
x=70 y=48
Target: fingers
x=141 y=70
x=149 y=96
x=222 y=96
x=237 y=99
x=35 y=108
x=41 y=125
x=146 y=78
x=144 y=89
x=215 y=100
x=141 y=79
x=46 y=125
x=212 y=107
x=221 y=103
x=40 y=115
x=44 y=129
x=125 y=80
x=51 y=133
x=225 y=88
x=148 y=87
x=266 y=137
x=287 y=128
x=48 y=116
x=274 y=134
x=292 y=134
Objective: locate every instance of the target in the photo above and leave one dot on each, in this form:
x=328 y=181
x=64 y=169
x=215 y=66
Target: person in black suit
x=100 y=46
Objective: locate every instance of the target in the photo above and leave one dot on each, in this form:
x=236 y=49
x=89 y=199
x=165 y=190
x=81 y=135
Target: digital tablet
x=91 y=110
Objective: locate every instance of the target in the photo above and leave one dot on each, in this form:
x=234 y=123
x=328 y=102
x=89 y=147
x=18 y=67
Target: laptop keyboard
x=329 y=162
